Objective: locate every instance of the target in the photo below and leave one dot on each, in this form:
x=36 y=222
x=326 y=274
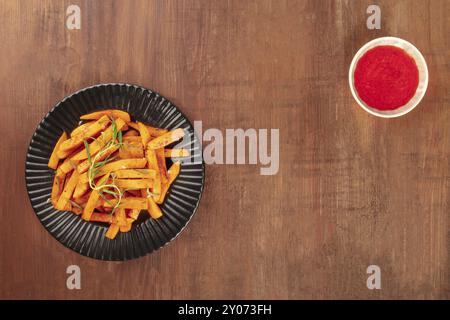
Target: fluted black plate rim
x=87 y=238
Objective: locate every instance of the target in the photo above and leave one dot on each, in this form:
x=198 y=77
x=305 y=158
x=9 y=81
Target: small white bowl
x=421 y=65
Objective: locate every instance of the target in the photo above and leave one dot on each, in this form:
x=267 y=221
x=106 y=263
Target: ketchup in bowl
x=386 y=77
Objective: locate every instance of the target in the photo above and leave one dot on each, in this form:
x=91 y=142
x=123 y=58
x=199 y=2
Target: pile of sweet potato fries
x=110 y=168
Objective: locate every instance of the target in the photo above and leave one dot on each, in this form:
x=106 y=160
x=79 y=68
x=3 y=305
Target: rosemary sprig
x=95 y=166
x=86 y=146
x=76 y=204
x=114 y=128
x=104 y=198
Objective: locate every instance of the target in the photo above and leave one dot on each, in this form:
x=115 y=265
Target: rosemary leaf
x=120 y=138
x=75 y=204
x=114 y=128
x=115 y=194
x=87 y=151
x=104 y=198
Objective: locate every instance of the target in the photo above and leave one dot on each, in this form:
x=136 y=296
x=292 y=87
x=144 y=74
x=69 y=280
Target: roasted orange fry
x=57 y=188
x=81 y=128
x=176 y=153
x=100 y=142
x=121 y=217
x=133 y=125
x=162 y=165
x=114 y=113
x=83 y=199
x=128 y=203
x=77 y=210
x=84 y=166
x=92 y=201
x=67 y=192
x=145 y=135
x=128 y=225
x=153 y=164
x=103 y=217
x=78 y=140
x=112 y=231
x=135 y=193
x=135 y=174
x=53 y=161
x=166 y=139
x=153 y=209
x=132 y=138
x=131 y=149
x=135 y=184
x=173 y=174
x=81 y=189
x=67 y=166
x=117 y=165
x=131 y=133
x=134 y=213
x=156 y=132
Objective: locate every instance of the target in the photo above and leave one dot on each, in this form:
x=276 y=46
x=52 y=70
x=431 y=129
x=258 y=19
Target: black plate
x=147 y=234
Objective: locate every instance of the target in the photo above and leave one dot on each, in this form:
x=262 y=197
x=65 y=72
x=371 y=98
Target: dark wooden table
x=353 y=190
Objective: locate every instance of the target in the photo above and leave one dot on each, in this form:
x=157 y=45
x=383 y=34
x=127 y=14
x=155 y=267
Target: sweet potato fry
x=114 y=113
x=135 y=174
x=78 y=139
x=133 y=125
x=132 y=138
x=112 y=231
x=131 y=149
x=128 y=225
x=81 y=128
x=128 y=203
x=134 y=213
x=83 y=199
x=77 y=210
x=92 y=201
x=96 y=145
x=156 y=132
x=145 y=135
x=67 y=166
x=57 y=188
x=102 y=217
x=176 y=153
x=166 y=139
x=162 y=165
x=80 y=189
x=134 y=193
x=134 y=184
x=84 y=166
x=153 y=164
x=173 y=174
x=121 y=217
x=131 y=133
x=153 y=209
x=53 y=161
x=117 y=165
x=68 y=191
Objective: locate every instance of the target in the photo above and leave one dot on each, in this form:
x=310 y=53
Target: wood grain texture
x=352 y=190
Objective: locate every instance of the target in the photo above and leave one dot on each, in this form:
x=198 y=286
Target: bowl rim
x=419 y=58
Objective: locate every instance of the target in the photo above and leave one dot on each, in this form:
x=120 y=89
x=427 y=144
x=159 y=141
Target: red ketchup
x=386 y=77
